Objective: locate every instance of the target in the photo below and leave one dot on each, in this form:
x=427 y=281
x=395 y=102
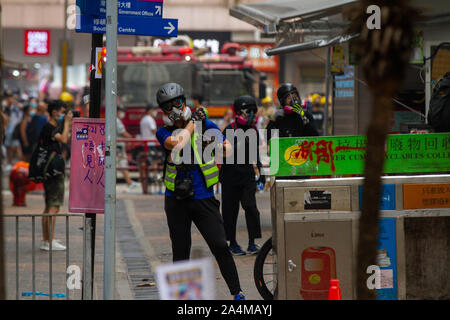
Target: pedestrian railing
x=15 y=224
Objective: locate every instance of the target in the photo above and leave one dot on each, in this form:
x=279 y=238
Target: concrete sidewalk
x=142 y=243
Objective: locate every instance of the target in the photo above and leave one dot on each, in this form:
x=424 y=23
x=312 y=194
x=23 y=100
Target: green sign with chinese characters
x=312 y=156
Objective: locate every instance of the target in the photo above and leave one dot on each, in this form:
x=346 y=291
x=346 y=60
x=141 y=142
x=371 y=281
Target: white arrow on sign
x=158 y=10
x=171 y=28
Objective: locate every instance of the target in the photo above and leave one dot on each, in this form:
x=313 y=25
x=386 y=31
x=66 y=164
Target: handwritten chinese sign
x=405 y=153
x=87 y=179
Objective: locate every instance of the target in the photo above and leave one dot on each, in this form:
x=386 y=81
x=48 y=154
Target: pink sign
x=87 y=164
x=37 y=42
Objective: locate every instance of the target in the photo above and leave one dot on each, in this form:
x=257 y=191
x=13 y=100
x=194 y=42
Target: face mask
x=61 y=118
x=33 y=104
x=247 y=120
x=121 y=115
x=32 y=113
x=288 y=109
x=154 y=114
x=180 y=114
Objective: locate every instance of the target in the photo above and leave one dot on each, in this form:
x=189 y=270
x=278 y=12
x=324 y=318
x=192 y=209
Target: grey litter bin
x=315 y=233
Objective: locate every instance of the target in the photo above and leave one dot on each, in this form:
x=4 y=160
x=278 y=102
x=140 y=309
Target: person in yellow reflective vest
x=189 y=195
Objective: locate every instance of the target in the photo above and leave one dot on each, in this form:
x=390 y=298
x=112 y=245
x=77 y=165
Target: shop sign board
x=341 y=155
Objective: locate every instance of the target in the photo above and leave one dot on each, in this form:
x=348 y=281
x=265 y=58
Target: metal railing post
x=17 y=258
x=33 y=263
x=67 y=255
x=50 y=255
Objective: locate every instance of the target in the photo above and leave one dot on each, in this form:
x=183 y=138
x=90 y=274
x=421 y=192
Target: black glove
x=199 y=115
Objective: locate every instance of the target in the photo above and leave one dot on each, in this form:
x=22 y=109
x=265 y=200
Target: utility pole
x=327 y=92
x=110 y=152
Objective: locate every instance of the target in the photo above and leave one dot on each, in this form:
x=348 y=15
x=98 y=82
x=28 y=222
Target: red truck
x=218 y=78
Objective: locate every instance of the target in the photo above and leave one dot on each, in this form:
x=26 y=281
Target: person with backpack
x=439 y=112
x=189 y=195
x=38 y=120
x=53 y=135
x=238 y=179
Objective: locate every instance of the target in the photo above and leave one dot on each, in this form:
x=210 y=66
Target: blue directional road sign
x=138 y=8
x=129 y=25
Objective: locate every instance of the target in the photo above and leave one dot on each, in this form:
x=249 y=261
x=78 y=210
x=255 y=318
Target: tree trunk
x=368 y=222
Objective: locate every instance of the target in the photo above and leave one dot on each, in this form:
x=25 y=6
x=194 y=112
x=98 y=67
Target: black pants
x=244 y=193
x=206 y=216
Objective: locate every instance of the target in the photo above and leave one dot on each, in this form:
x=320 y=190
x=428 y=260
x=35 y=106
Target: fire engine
x=218 y=78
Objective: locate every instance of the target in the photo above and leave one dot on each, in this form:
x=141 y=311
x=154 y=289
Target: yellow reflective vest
x=210 y=170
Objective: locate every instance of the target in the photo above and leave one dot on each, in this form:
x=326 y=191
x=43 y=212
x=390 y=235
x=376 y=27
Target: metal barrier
x=33 y=217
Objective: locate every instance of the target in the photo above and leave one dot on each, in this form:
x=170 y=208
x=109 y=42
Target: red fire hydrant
x=19 y=183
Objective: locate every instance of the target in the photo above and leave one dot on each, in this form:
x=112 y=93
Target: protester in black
x=291 y=120
x=238 y=179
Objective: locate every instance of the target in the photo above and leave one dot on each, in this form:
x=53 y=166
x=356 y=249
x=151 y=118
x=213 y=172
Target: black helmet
x=168 y=92
x=284 y=90
x=244 y=102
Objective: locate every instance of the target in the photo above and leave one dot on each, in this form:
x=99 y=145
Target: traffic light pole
x=110 y=150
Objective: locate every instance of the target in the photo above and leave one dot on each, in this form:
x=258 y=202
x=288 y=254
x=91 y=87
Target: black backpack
x=439 y=113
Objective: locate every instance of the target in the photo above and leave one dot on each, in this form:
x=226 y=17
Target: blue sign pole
x=129 y=25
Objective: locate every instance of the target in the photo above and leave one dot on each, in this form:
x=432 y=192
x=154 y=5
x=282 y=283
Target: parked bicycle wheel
x=264 y=272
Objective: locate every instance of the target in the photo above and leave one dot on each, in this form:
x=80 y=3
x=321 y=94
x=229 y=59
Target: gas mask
x=294 y=105
x=177 y=110
x=247 y=117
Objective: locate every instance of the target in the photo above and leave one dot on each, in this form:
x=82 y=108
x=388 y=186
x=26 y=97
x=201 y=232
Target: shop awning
x=267 y=14
x=297 y=24
x=308 y=24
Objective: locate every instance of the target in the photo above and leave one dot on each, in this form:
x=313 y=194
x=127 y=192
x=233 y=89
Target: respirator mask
x=247 y=117
x=295 y=103
x=175 y=110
